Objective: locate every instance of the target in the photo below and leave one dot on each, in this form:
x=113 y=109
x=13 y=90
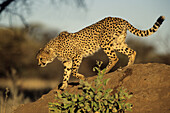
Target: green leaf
x=111 y=101
x=108 y=90
x=50 y=103
x=95 y=108
x=100 y=89
x=106 y=81
x=95 y=104
x=74 y=99
x=105 y=102
x=59 y=95
x=129 y=96
x=65 y=100
x=96 y=98
x=91 y=94
x=79 y=111
x=94 y=69
x=81 y=98
x=66 y=106
x=114 y=110
x=116 y=96
x=128 y=106
x=103 y=71
x=92 y=104
x=99 y=94
x=88 y=109
x=100 y=105
x=122 y=98
x=107 y=111
x=56 y=104
x=98 y=82
x=72 y=109
x=106 y=95
x=81 y=105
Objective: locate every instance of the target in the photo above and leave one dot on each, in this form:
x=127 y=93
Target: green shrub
x=95 y=99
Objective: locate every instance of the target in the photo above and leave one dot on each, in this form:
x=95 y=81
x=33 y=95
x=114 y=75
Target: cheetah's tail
x=150 y=31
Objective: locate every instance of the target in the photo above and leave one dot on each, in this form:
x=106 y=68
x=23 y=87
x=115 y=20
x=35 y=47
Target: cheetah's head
x=45 y=56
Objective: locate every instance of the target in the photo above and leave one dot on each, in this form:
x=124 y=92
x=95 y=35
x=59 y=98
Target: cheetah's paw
x=64 y=86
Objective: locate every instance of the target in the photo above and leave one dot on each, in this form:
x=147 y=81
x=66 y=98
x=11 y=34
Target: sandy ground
x=149 y=83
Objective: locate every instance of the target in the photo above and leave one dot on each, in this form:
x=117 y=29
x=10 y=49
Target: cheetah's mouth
x=42 y=64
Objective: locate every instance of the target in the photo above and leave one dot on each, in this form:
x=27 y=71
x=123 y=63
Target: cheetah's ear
x=39 y=50
x=64 y=33
x=49 y=51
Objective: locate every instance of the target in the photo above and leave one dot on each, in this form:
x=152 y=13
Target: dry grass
x=12 y=97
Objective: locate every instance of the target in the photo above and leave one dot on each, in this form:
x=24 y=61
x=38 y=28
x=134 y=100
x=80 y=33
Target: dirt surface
x=149 y=83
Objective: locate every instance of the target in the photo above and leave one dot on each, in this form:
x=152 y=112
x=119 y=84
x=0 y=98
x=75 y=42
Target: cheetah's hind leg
x=124 y=49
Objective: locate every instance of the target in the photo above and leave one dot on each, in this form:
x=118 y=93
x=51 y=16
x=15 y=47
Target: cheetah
x=108 y=34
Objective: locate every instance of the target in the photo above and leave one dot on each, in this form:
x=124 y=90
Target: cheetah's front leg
x=67 y=72
x=76 y=64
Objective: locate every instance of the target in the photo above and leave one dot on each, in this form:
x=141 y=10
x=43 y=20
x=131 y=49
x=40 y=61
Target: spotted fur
x=108 y=34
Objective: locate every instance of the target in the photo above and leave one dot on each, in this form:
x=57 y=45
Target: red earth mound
x=149 y=83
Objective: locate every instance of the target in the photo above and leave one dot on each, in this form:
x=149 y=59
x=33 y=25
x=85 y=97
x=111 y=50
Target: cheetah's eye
x=40 y=58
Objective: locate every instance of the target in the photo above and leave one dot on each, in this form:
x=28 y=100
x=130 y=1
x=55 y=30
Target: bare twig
x=20 y=16
x=6 y=97
x=20 y=7
x=5 y=4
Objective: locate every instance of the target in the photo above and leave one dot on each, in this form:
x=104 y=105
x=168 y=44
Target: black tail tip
x=161 y=19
